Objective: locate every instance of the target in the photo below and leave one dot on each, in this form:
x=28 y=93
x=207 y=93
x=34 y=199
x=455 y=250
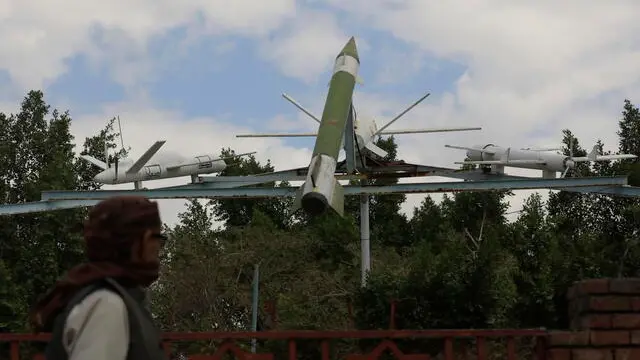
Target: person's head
x=125 y=230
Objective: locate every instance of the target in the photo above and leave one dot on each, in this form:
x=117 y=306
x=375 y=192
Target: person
x=97 y=310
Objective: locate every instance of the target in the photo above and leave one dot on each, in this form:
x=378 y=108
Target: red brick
x=625 y=286
x=586 y=287
x=608 y=303
x=592 y=354
x=595 y=303
x=611 y=337
x=635 y=304
x=635 y=337
x=625 y=321
x=627 y=354
x=559 y=354
x=592 y=321
x=569 y=338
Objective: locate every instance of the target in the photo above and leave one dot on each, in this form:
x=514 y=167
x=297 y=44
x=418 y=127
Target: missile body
x=321 y=189
x=525 y=159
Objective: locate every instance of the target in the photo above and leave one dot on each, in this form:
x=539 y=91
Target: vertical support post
x=254 y=310
x=365 y=250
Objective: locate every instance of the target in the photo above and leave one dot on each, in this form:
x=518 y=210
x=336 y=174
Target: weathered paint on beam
x=262 y=192
x=42 y=206
x=625 y=190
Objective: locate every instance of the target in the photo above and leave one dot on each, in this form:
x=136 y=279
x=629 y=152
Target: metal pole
x=365 y=250
x=254 y=310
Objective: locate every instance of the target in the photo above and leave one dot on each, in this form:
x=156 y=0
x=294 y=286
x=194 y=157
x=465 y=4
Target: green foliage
x=36 y=152
x=239 y=212
x=454 y=264
x=629 y=133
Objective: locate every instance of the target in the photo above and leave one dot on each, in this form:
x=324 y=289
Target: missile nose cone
x=350 y=49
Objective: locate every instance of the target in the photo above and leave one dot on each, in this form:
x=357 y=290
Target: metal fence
x=326 y=345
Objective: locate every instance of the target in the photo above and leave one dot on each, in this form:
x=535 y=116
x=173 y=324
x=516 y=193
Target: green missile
x=321 y=189
x=338 y=102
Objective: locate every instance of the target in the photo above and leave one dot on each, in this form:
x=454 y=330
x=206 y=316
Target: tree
x=536 y=251
x=629 y=132
x=476 y=215
x=569 y=211
x=427 y=223
x=239 y=212
x=619 y=220
x=188 y=269
x=37 y=155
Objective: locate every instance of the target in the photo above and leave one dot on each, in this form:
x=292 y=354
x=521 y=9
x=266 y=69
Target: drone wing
x=503 y=162
x=94 y=161
x=470 y=149
x=427 y=130
x=142 y=160
x=277 y=135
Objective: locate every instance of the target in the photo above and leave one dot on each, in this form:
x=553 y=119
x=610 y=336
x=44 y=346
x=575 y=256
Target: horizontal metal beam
x=262 y=192
x=625 y=190
x=404 y=170
x=58 y=200
x=225 y=182
x=42 y=206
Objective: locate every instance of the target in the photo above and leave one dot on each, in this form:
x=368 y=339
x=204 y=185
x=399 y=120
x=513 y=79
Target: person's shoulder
x=103 y=297
x=99 y=301
x=102 y=311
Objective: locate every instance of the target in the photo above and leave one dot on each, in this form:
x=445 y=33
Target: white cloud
x=306 y=46
x=37 y=38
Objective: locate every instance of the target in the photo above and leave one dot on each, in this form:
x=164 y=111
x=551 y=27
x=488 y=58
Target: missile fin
x=297 y=201
x=376 y=150
x=337 y=200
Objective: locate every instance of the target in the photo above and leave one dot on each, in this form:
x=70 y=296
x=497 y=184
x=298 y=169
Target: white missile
x=145 y=169
x=550 y=163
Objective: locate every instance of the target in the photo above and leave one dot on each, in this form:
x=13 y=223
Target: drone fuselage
x=547 y=161
x=204 y=164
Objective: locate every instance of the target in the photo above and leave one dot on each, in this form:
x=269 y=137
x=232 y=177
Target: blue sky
x=237 y=82
x=195 y=73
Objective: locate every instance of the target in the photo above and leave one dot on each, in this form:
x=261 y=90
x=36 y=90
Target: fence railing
x=326 y=345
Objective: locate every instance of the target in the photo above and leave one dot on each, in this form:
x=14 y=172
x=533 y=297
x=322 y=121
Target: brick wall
x=605 y=322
